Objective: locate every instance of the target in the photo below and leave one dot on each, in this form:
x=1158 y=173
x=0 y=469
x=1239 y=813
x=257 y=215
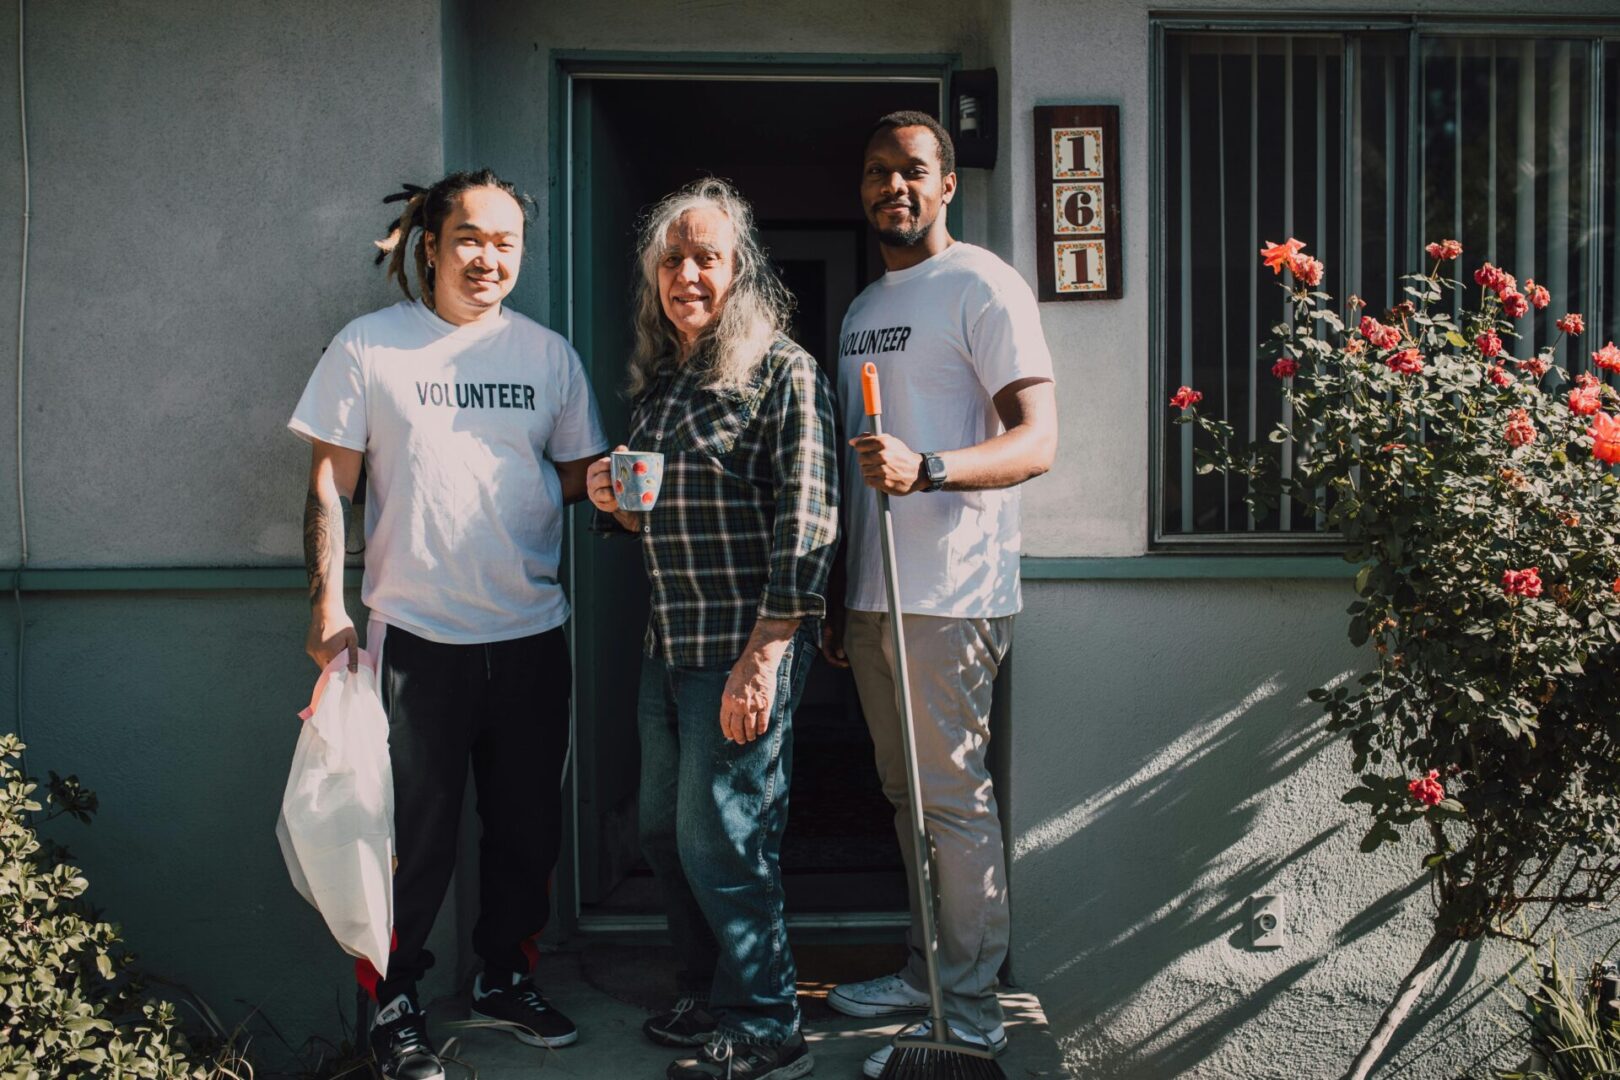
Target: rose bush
x=1475 y=495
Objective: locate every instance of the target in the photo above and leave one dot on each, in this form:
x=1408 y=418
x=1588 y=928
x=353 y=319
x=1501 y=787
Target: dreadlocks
x=424 y=212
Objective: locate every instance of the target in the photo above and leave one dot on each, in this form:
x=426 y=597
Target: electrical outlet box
x=1268 y=927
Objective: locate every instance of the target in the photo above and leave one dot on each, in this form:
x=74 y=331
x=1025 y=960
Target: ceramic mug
x=637 y=475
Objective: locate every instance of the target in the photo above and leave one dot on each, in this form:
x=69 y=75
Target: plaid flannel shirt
x=746 y=522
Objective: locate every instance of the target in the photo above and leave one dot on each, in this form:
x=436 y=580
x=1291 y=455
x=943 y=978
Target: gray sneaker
x=886 y=995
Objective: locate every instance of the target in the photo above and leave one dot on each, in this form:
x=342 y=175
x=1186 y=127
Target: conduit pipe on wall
x=22 y=314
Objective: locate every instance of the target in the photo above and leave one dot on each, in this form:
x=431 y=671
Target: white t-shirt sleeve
x=333 y=408
x=1006 y=339
x=578 y=431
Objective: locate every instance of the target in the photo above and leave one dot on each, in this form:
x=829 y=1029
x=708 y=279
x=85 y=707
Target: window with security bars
x=1365 y=146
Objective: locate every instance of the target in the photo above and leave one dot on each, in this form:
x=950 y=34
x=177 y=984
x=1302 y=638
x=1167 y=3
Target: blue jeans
x=712 y=815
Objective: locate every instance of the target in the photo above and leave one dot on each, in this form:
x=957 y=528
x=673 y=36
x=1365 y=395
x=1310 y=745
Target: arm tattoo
x=323 y=542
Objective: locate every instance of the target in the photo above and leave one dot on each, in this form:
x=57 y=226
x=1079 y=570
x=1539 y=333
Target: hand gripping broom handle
x=919 y=835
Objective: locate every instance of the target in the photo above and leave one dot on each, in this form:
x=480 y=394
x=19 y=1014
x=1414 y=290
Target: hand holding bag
x=336 y=827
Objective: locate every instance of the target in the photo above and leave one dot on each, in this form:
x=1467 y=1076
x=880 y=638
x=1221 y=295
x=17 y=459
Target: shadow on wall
x=1183 y=813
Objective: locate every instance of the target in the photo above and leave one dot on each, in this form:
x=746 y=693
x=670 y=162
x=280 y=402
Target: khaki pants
x=952 y=664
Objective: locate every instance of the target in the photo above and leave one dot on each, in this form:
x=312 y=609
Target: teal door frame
x=566 y=263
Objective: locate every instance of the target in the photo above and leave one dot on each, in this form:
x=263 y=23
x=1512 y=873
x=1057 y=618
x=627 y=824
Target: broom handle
x=919 y=834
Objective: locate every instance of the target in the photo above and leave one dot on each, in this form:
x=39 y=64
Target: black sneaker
x=399 y=1043
x=690 y=1024
x=530 y=1016
x=723 y=1059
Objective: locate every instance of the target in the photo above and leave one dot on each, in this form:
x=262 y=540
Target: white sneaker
x=887 y=995
x=873 y=1067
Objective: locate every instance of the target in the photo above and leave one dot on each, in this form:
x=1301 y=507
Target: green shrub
x=68 y=1005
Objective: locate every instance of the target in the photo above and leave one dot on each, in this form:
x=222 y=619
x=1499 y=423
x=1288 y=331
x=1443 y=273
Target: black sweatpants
x=504 y=707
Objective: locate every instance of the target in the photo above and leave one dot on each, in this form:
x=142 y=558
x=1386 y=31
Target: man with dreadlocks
x=475 y=426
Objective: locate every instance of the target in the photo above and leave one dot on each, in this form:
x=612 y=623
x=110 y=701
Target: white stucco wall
x=206 y=185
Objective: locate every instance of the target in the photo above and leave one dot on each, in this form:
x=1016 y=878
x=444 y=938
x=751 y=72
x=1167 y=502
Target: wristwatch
x=931 y=472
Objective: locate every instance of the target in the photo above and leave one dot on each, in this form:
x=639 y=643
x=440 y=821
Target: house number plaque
x=1077 y=201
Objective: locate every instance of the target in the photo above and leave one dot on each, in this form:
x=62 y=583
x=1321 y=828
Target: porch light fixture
x=973 y=118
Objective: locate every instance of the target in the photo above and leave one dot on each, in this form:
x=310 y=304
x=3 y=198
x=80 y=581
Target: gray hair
x=756 y=307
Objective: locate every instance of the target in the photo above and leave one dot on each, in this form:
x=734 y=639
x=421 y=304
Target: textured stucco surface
x=1165 y=767
x=207 y=182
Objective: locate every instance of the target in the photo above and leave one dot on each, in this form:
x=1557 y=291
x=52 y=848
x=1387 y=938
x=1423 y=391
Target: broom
x=935 y=1056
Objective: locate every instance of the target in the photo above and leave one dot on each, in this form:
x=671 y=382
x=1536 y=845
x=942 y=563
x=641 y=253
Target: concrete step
x=606 y=989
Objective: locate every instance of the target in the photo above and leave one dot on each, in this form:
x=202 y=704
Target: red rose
x=1186 y=397
x=1616 y=585
x=1444 y=250
x=1607 y=358
x=1286 y=367
x=1605 y=433
x=1514 y=303
x=1519 y=431
x=1489 y=343
x=1535 y=367
x=1280 y=255
x=1306 y=270
x=1406 y=362
x=1539 y=297
x=1488 y=276
x=1498 y=376
x=1526 y=583
x=1428 y=789
x=1571 y=324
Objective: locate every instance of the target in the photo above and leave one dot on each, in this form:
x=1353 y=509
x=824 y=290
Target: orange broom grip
x=869 y=389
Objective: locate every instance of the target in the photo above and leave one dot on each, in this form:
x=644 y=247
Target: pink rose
x=1489 y=277
x=1607 y=358
x=1514 y=303
x=1498 y=376
x=1571 y=324
x=1286 y=367
x=1519 y=431
x=1489 y=344
x=1539 y=297
x=1428 y=789
x=1526 y=583
x=1381 y=336
x=1306 y=270
x=1444 y=250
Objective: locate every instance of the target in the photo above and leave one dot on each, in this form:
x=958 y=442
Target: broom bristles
x=930 y=1063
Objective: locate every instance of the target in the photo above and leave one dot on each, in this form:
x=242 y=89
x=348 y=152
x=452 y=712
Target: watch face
x=936 y=470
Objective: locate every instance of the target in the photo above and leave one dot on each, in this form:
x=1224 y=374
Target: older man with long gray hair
x=737 y=549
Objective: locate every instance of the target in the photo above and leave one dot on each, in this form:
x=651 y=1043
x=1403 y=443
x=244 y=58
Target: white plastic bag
x=337 y=815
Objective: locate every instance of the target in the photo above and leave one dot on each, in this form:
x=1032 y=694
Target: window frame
x=1596 y=32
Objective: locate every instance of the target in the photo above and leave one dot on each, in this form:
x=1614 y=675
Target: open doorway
x=792 y=145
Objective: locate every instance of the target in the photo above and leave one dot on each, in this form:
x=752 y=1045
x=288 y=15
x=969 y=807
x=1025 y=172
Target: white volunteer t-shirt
x=463 y=511
x=946 y=336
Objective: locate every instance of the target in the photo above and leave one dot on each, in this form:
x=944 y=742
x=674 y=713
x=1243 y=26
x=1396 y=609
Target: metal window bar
x=1575 y=183
x=1186 y=299
x=1285 y=508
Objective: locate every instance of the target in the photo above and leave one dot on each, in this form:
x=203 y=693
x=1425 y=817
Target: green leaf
x=1456 y=339
x=1362 y=577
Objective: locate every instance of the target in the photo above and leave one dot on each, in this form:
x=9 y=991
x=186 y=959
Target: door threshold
x=844 y=926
